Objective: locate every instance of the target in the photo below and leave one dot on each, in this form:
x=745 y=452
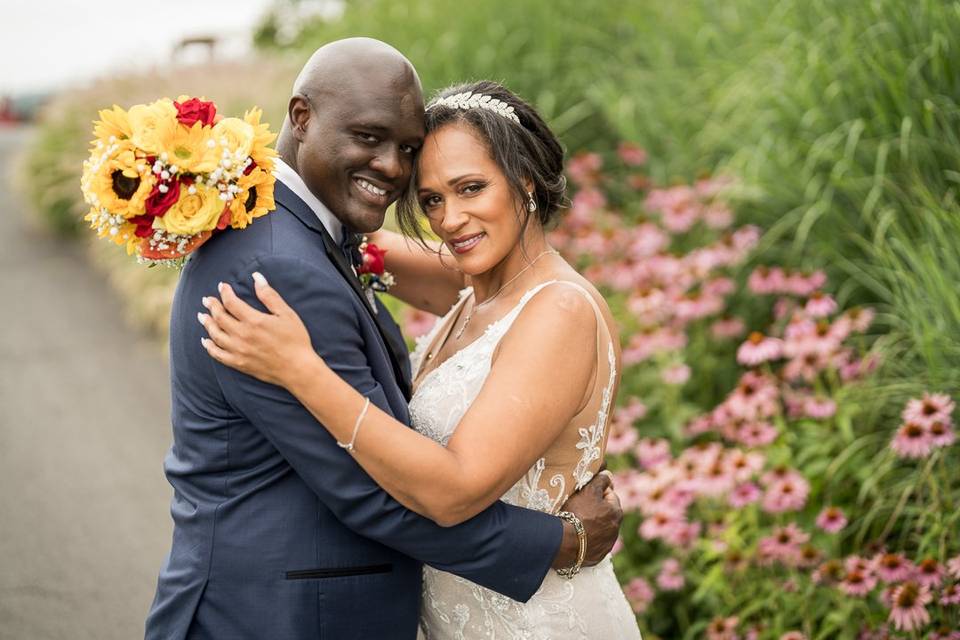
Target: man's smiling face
x=358 y=145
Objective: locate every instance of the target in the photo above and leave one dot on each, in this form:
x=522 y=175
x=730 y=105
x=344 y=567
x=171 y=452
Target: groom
x=278 y=533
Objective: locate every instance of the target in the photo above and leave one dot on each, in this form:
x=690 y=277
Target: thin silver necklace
x=477 y=305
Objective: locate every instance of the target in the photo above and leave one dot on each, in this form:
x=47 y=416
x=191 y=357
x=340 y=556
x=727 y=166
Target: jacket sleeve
x=505 y=548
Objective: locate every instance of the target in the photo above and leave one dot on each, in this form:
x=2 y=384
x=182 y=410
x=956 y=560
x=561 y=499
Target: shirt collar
x=285 y=174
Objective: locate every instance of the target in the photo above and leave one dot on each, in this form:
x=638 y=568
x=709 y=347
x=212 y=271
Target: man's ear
x=298 y=110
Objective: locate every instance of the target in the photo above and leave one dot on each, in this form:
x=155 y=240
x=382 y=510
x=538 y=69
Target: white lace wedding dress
x=591 y=606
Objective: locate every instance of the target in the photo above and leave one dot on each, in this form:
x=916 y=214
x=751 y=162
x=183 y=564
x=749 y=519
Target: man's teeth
x=377 y=191
x=468 y=242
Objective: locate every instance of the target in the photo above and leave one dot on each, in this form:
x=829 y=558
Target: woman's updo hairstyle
x=518 y=140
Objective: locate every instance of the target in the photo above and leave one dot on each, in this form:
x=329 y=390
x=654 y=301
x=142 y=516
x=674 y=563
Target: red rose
x=372 y=260
x=157 y=203
x=195 y=109
x=144 y=226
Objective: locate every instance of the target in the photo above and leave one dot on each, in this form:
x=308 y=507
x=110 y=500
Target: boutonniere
x=372 y=273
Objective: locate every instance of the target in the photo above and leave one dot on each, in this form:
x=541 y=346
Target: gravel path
x=84 y=426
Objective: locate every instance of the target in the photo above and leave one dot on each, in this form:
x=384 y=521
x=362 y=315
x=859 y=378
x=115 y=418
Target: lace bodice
x=589 y=606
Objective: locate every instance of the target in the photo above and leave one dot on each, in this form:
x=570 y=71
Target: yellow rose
x=254 y=200
x=144 y=121
x=191 y=149
x=234 y=135
x=193 y=212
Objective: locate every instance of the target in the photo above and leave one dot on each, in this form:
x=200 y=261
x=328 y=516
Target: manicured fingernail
x=220 y=287
x=259 y=279
x=206 y=301
x=202 y=317
x=205 y=342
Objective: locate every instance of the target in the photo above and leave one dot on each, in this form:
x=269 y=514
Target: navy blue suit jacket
x=278 y=533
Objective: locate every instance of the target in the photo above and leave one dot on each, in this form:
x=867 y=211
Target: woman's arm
x=424 y=279
x=534 y=389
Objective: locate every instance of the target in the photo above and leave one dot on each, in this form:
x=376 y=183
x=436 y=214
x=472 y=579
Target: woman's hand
x=267 y=346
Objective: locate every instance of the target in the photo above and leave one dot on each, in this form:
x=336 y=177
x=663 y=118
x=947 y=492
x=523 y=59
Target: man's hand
x=598 y=508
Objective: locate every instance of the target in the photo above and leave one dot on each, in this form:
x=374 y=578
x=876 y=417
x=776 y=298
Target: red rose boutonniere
x=373 y=276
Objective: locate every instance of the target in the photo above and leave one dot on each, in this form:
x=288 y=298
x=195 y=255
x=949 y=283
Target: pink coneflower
x=929 y=573
x=809 y=556
x=950 y=594
x=631 y=154
x=941 y=435
x=584 y=168
x=764 y=280
x=803 y=285
x=831 y=520
x=718 y=216
x=936 y=407
x=793 y=635
x=819 y=408
x=829 y=572
x=756 y=434
x=860 y=318
x=639 y=593
x=912 y=441
x=684 y=534
x=944 y=633
x=646 y=240
x=786 y=495
x=728 y=327
x=909 y=610
x=659 y=525
x=820 y=305
x=632 y=411
x=857 y=583
x=723 y=629
x=670 y=577
x=759 y=348
x=783 y=545
x=743 y=494
x=676 y=374
x=892 y=567
x=622 y=437
x=953 y=566
x=652 y=452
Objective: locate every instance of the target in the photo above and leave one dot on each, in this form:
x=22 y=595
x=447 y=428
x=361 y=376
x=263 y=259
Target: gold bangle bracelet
x=569 y=572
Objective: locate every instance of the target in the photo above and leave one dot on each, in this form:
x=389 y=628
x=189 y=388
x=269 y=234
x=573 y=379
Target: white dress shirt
x=285 y=174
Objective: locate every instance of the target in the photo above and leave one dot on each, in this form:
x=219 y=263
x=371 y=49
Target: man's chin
x=365 y=221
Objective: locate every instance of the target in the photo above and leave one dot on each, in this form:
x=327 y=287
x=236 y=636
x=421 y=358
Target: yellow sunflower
x=261 y=153
x=113 y=123
x=194 y=212
x=145 y=120
x=115 y=179
x=191 y=149
x=254 y=199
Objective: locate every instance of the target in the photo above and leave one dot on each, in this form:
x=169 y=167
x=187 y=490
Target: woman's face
x=467 y=199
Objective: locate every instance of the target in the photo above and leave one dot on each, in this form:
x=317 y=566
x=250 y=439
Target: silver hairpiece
x=470 y=100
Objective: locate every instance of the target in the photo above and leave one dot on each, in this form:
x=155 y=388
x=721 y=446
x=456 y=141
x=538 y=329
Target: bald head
x=346 y=65
x=343 y=61
x=353 y=126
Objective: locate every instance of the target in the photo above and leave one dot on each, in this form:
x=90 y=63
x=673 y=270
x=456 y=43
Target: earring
x=531 y=203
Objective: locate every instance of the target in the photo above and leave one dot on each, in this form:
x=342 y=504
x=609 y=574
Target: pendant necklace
x=504 y=286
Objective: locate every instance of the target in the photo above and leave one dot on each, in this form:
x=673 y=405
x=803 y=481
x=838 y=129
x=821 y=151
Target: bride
x=513 y=386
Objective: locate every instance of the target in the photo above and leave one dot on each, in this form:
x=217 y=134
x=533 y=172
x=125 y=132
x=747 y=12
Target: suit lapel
x=305 y=214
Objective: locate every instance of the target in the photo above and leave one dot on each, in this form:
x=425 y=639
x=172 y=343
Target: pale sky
x=50 y=44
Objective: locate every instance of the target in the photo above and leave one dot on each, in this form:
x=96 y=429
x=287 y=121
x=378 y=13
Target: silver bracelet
x=569 y=572
x=356 y=427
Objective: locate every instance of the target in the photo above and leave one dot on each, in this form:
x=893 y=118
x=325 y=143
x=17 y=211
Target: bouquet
x=162 y=178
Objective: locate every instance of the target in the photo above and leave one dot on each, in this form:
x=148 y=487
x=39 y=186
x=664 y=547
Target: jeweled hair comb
x=470 y=100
